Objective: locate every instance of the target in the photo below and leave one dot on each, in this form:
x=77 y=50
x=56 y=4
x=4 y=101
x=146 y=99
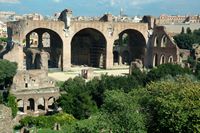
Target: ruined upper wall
x=16 y=54
x=18 y=30
x=32 y=79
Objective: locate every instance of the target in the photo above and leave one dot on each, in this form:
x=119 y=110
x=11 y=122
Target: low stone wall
x=5 y=119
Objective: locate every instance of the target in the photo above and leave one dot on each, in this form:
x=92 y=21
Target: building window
x=162 y=59
x=164 y=41
x=170 y=60
x=26 y=85
x=156 y=41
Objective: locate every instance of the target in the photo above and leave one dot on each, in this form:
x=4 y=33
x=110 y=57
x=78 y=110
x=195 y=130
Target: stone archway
x=41 y=104
x=51 y=102
x=88 y=47
x=156 y=41
x=134 y=43
x=162 y=59
x=164 y=41
x=155 y=60
x=31 y=104
x=170 y=59
x=20 y=105
x=48 y=41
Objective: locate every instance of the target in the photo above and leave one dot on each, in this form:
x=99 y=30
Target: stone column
x=120 y=49
x=44 y=60
x=40 y=45
x=25 y=105
x=120 y=60
x=67 y=53
x=109 y=53
x=36 y=105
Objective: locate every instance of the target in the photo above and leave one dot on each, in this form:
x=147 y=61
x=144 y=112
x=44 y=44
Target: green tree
x=166 y=69
x=122 y=111
x=173 y=106
x=7 y=71
x=197 y=70
x=182 y=30
x=11 y=102
x=188 y=30
x=185 y=41
x=77 y=99
x=124 y=83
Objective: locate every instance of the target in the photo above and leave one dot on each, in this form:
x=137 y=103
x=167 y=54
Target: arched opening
x=41 y=104
x=156 y=42
x=162 y=59
x=115 y=57
x=31 y=104
x=48 y=41
x=125 y=58
x=32 y=41
x=133 y=42
x=125 y=39
x=51 y=103
x=170 y=60
x=155 y=60
x=20 y=105
x=88 y=47
x=164 y=41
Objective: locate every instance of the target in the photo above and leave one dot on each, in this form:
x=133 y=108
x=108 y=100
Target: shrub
x=12 y=104
x=166 y=69
x=47 y=121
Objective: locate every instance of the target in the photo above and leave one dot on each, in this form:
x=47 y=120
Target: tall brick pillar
x=109 y=53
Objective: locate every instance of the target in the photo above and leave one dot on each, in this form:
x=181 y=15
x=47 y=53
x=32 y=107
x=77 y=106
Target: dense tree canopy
x=166 y=69
x=7 y=71
x=120 y=113
x=77 y=99
x=173 y=106
x=186 y=40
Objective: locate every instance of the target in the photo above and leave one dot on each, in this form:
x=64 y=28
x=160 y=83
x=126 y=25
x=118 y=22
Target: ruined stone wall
x=162 y=45
x=32 y=79
x=110 y=30
x=5 y=119
x=16 y=54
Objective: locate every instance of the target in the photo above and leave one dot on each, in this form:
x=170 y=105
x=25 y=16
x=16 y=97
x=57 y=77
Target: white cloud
x=9 y=1
x=57 y=1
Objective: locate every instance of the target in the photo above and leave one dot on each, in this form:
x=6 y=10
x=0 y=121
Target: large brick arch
x=90 y=49
x=110 y=30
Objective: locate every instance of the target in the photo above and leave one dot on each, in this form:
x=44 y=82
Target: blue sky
x=99 y=7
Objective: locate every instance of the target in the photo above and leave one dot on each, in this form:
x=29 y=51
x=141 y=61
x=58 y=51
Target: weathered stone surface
x=137 y=64
x=87 y=73
x=5 y=119
x=16 y=55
